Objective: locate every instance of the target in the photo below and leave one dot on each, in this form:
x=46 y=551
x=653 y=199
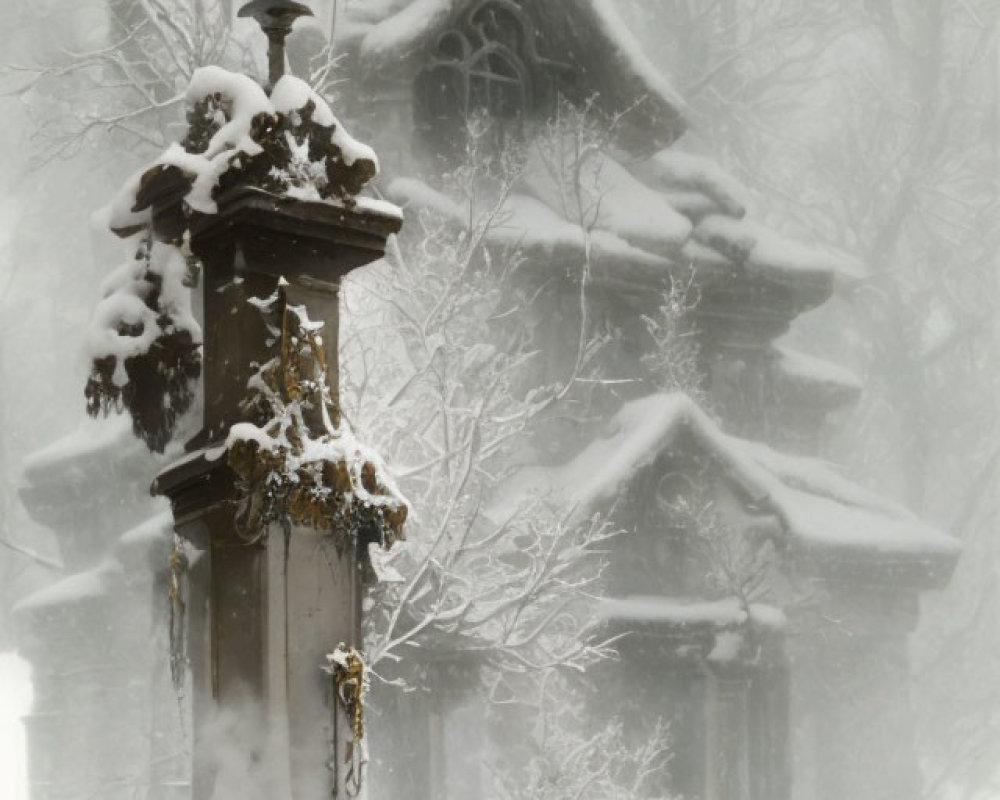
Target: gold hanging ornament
x=300 y=462
x=177 y=565
x=351 y=683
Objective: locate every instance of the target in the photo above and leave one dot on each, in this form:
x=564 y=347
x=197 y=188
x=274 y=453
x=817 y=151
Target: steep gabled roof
x=659 y=206
x=605 y=59
x=830 y=524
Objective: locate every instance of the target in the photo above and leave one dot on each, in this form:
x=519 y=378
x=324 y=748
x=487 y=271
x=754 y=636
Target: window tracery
x=486 y=64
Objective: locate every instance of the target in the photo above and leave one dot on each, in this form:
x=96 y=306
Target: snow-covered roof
x=82 y=445
x=622 y=204
x=674 y=209
x=130 y=551
x=657 y=204
x=689 y=612
x=528 y=223
x=73 y=466
x=680 y=172
x=387 y=35
x=73 y=588
x=398 y=30
x=712 y=629
x=766 y=252
x=823 y=515
x=808 y=374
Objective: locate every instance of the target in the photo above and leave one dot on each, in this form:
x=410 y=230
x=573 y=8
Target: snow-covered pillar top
x=261 y=187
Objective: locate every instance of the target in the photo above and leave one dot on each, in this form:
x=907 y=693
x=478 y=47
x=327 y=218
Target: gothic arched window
x=486 y=64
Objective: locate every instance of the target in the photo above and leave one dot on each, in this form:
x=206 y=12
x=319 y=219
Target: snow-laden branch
x=446 y=388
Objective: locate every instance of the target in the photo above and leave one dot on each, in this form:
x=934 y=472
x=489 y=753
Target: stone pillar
x=264 y=613
x=261 y=619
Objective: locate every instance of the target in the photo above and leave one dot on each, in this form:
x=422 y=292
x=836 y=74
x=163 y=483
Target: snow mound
x=291 y=94
x=242 y=100
x=289 y=143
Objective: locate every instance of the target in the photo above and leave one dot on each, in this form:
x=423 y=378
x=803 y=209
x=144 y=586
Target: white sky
x=15 y=701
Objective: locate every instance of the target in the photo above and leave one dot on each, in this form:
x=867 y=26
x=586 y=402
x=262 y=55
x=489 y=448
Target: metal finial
x=276 y=18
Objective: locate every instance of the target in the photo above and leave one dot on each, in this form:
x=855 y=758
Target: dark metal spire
x=276 y=18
